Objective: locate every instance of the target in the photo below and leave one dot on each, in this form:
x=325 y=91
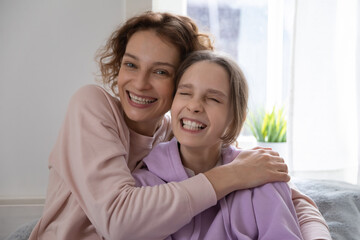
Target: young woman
x=91 y=192
x=207 y=114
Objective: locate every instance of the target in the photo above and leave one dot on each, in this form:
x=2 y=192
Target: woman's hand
x=251 y=168
x=258 y=166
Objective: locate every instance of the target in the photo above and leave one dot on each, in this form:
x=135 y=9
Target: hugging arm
x=312 y=224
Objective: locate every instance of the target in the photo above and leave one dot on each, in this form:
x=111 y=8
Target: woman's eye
x=129 y=64
x=161 y=72
x=184 y=93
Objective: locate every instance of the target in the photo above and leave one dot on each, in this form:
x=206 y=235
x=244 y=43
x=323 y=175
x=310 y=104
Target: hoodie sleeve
x=91 y=157
x=274 y=212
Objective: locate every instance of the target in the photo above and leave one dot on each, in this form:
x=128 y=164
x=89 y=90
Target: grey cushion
x=339 y=203
x=23 y=232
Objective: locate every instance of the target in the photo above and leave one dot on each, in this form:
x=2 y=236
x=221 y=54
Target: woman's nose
x=142 y=81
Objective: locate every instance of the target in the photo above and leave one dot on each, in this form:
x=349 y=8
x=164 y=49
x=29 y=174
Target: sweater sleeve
x=312 y=224
x=91 y=156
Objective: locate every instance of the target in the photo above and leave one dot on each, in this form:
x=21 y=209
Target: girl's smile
x=192 y=125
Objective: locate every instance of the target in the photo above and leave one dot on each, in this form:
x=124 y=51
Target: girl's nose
x=194 y=106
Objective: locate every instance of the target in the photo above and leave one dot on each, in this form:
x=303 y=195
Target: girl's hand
x=251 y=168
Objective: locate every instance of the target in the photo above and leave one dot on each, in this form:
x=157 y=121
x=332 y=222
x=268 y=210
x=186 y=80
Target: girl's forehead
x=203 y=70
x=205 y=75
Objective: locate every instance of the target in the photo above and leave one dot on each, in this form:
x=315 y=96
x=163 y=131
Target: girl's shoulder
x=229 y=154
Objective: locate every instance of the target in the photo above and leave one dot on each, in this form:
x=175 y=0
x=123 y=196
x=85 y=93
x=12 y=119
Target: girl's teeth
x=140 y=100
x=190 y=125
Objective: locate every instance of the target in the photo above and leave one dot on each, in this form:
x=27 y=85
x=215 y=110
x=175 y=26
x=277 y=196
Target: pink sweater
x=92 y=195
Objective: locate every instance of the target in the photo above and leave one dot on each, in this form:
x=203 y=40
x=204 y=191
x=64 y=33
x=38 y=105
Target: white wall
x=47 y=51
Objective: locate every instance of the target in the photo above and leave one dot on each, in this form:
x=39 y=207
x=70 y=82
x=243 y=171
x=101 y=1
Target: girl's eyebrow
x=216 y=92
x=156 y=63
x=182 y=86
x=209 y=90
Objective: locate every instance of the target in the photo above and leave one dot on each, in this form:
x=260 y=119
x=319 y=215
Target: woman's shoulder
x=92 y=92
x=94 y=96
x=92 y=103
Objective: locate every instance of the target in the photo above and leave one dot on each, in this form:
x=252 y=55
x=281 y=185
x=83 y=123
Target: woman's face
x=201 y=108
x=146 y=80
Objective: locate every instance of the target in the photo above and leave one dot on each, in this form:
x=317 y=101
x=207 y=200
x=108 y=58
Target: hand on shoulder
x=257 y=166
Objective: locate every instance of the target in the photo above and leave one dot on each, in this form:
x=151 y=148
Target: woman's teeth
x=191 y=125
x=140 y=100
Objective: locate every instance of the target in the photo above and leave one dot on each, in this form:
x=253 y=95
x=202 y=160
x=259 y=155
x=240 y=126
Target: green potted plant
x=269 y=128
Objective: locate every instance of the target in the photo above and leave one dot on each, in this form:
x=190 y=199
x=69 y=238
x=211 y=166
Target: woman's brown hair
x=239 y=90
x=178 y=30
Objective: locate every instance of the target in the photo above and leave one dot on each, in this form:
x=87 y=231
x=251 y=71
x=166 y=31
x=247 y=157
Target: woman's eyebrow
x=155 y=63
x=131 y=56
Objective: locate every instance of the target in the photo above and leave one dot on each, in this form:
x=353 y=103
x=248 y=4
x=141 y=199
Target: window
x=258 y=35
x=302 y=54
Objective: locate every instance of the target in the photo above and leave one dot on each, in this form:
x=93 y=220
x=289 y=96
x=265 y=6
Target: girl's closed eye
x=214 y=100
x=183 y=93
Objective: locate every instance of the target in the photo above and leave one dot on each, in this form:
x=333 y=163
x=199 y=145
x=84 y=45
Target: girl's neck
x=200 y=160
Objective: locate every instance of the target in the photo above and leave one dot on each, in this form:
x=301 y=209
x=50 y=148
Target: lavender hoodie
x=264 y=212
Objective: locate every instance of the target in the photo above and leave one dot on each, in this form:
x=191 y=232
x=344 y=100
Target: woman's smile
x=140 y=101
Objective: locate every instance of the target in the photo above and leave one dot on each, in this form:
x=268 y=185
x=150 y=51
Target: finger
x=266 y=150
x=259 y=147
x=279 y=167
x=283 y=168
x=284 y=177
x=274 y=153
x=280 y=177
x=279 y=159
x=274 y=159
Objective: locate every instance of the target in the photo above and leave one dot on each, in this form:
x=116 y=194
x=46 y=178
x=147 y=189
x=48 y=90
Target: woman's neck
x=200 y=160
x=147 y=128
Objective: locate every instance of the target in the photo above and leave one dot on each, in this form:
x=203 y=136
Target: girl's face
x=201 y=108
x=146 y=80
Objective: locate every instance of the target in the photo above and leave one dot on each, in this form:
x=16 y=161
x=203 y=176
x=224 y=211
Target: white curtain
x=358 y=86
x=325 y=105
